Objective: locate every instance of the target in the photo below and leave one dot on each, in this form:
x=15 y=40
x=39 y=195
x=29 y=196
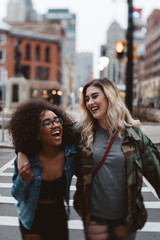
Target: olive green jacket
x=142 y=159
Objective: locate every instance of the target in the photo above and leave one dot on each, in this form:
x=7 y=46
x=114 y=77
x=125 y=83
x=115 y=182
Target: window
x=2 y=38
x=38 y=53
x=28 y=51
x=47 y=54
x=26 y=71
x=15 y=93
x=2 y=55
x=42 y=73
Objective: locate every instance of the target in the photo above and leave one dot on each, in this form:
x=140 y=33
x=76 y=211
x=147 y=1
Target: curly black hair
x=23 y=126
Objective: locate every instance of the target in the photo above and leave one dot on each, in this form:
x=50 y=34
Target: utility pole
x=129 y=70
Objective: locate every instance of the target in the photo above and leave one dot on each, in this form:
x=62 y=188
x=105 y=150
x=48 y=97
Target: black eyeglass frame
x=56 y=120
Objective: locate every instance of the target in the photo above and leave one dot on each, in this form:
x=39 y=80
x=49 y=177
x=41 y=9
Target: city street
x=9 y=229
x=51 y=50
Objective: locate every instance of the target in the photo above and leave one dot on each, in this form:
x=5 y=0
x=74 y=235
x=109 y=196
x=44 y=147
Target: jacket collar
x=70 y=149
x=131 y=134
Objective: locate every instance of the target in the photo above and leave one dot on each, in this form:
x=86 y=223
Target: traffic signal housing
x=119 y=46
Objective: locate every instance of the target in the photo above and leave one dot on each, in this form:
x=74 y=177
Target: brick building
x=149 y=90
x=40 y=59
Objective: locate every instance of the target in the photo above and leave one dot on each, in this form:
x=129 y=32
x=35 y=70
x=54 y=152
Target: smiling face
x=50 y=136
x=96 y=102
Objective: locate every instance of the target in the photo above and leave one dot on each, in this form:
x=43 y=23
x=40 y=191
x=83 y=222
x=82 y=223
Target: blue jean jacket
x=27 y=194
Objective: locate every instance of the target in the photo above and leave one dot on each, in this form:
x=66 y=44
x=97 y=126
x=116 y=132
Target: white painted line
x=71 y=203
x=148 y=205
x=9 y=221
x=152 y=205
x=7 y=165
x=73 y=188
x=11 y=200
x=13 y=221
x=9 y=185
x=151 y=227
x=6 y=185
x=145 y=189
x=150 y=187
x=6 y=174
x=75 y=224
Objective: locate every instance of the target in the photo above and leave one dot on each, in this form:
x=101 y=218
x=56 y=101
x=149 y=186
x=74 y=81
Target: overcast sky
x=93 y=17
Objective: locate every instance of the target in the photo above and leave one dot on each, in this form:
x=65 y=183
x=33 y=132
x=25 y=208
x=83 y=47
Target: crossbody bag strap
x=105 y=156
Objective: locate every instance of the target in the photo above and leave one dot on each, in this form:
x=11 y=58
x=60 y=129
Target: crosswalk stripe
x=148 y=204
x=5 y=185
x=155 y=204
x=151 y=227
x=72 y=187
x=6 y=174
x=72 y=224
x=9 y=221
x=7 y=165
x=9 y=185
x=76 y=224
x=10 y=200
x=150 y=187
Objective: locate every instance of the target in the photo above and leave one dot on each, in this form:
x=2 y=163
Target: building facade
x=68 y=21
x=84 y=70
x=116 y=69
x=19 y=11
x=40 y=60
x=149 y=88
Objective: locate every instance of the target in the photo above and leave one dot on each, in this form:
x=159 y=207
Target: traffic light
x=135 y=54
x=119 y=46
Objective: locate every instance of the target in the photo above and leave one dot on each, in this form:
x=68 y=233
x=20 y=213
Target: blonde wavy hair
x=117 y=115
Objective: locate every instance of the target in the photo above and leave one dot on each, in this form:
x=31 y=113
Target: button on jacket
x=27 y=194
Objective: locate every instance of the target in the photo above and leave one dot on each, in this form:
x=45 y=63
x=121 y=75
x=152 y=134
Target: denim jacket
x=142 y=159
x=27 y=194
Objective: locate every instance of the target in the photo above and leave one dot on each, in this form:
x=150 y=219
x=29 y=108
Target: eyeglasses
x=48 y=123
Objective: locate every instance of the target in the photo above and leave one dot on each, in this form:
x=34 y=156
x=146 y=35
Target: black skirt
x=50 y=222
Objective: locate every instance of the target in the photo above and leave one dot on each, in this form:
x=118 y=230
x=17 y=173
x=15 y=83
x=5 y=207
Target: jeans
x=100 y=229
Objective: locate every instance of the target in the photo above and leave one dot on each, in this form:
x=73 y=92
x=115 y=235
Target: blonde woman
x=108 y=196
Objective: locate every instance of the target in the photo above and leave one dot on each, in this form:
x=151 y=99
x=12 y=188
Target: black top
x=51 y=190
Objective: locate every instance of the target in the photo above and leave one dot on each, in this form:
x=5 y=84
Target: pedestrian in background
x=43 y=133
x=115 y=155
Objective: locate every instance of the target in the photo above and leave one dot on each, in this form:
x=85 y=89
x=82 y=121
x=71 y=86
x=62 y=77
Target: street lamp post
x=129 y=70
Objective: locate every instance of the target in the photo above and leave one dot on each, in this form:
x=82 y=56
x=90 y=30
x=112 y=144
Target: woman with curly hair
x=115 y=154
x=43 y=133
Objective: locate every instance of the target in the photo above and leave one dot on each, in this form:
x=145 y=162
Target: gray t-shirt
x=109 y=191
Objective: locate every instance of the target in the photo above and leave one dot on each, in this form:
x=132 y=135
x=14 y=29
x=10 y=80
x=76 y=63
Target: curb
x=8 y=146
